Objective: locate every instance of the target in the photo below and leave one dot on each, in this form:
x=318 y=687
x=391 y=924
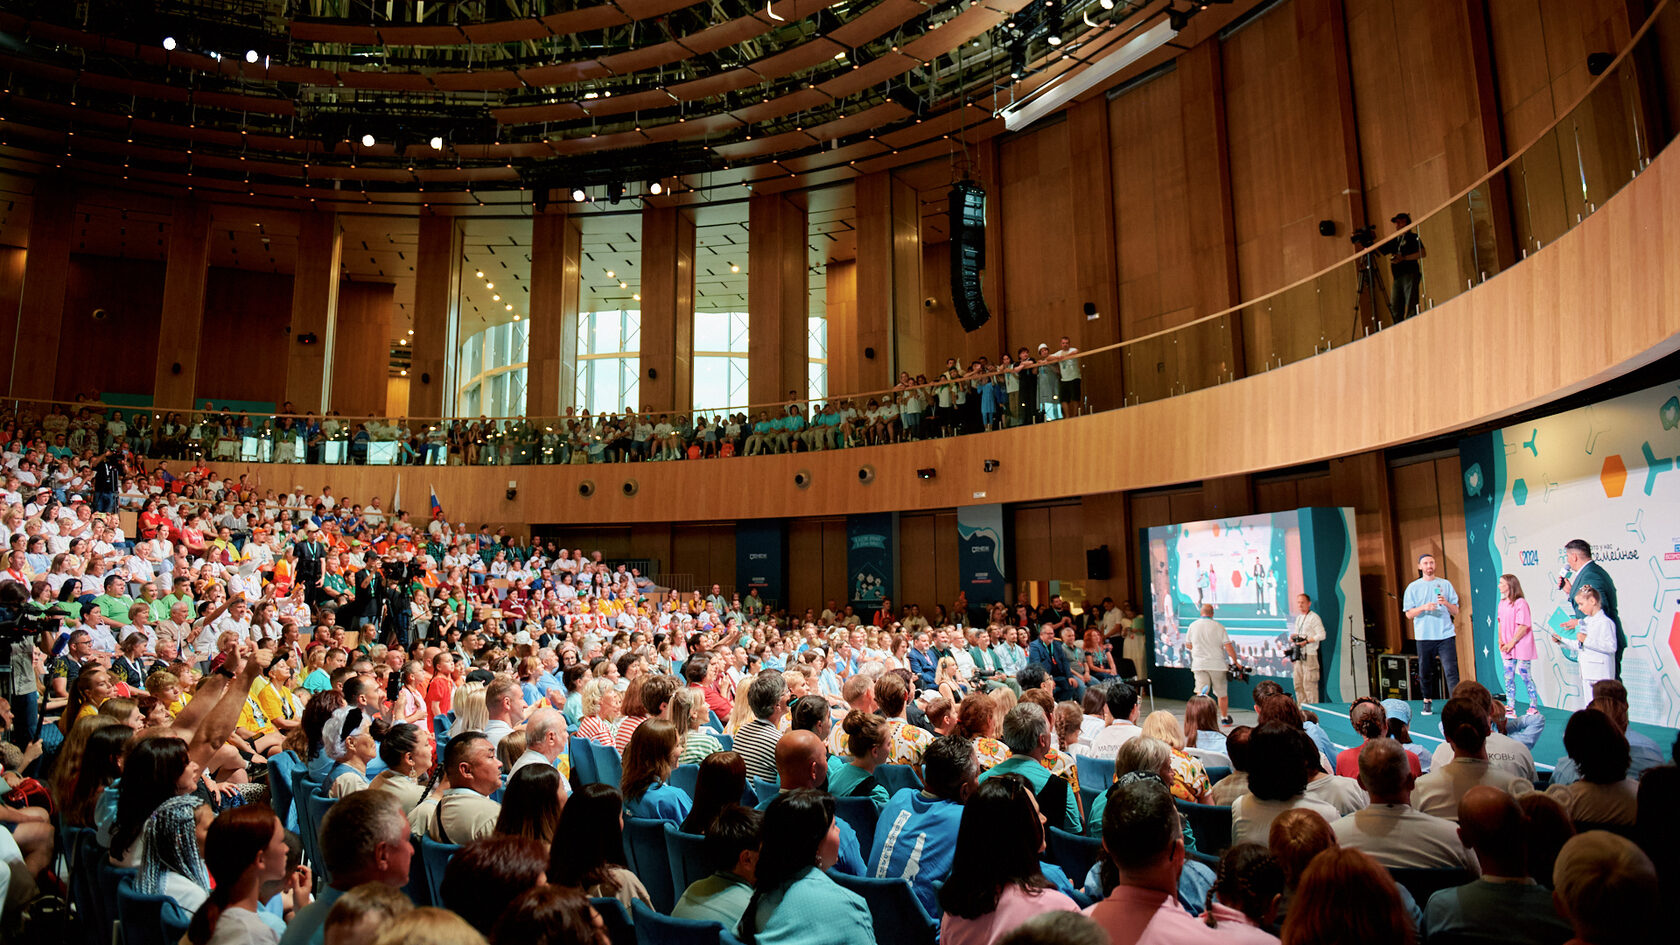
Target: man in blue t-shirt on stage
x=1432 y=604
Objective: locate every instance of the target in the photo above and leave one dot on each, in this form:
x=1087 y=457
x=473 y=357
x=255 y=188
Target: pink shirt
x=1514 y=614
x=1014 y=907
x=1132 y=915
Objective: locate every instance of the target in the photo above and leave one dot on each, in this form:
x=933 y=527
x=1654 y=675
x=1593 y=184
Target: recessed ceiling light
x=495 y=298
x=169 y=43
x=437 y=142
x=578 y=195
x=611 y=274
x=510 y=306
x=367 y=141
x=489 y=285
x=250 y=55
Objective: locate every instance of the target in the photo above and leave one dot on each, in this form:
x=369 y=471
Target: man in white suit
x=1306 y=631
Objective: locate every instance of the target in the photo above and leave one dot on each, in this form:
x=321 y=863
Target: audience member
x=794 y=900
x=1248 y=888
x=1277 y=781
x=721 y=781
x=1389 y=829
x=1346 y=896
x=1234 y=785
x=1604 y=792
x=465 y=812
x=731 y=848
x=364 y=839
x=1607 y=889
x=1610 y=697
x=549 y=915
x=1505 y=906
x=995 y=882
x=531 y=804
x=868 y=740
x=1503 y=752
x=767 y=697
x=360 y=914
x=587 y=856
x=916 y=835
x=484 y=876
x=1466 y=725
x=649 y=760
x=1026 y=733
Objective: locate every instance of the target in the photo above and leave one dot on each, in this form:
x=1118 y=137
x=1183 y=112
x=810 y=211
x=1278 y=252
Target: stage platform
x=1426 y=730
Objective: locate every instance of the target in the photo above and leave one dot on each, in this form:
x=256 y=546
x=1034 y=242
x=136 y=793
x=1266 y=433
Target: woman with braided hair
x=173 y=862
x=407 y=753
x=1248 y=889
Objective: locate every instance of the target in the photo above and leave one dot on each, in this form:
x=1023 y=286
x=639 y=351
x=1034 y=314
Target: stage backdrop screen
x=1248 y=568
x=1607 y=474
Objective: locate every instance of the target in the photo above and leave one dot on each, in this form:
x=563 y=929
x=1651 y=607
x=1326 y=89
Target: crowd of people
x=169 y=680
x=1027 y=387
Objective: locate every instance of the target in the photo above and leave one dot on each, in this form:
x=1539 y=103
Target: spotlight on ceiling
x=611 y=274
x=169 y=43
x=927 y=473
x=367 y=141
x=734 y=268
x=623 y=285
x=1106 y=4
x=1017 y=62
x=479 y=273
x=251 y=55
x=437 y=142
x=495 y=298
x=656 y=188
x=615 y=191
x=578 y=195
x=1054 y=40
x=508 y=306
x=489 y=285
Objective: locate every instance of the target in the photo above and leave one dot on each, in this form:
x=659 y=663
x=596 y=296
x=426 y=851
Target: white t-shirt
x=1505 y=752
x=1207 y=644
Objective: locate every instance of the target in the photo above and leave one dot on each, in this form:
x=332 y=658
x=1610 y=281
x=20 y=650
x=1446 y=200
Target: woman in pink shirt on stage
x=1516 y=642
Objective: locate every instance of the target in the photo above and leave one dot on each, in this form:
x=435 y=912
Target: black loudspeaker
x=967 y=205
x=1096 y=564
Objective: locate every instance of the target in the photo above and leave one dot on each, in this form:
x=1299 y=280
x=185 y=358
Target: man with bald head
x=1390 y=830
x=802 y=762
x=546 y=740
x=1505 y=906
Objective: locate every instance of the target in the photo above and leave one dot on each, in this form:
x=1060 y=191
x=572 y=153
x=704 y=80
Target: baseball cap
x=1396 y=709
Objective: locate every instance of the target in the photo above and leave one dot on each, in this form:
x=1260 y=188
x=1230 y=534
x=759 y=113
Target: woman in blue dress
x=648 y=761
x=794 y=902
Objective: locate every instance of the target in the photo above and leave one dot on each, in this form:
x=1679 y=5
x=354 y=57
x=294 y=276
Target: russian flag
x=437 y=507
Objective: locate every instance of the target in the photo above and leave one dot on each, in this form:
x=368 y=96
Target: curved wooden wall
x=1596 y=303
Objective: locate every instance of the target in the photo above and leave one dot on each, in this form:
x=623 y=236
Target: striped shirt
x=756 y=741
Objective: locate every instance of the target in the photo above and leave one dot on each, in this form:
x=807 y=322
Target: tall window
x=720 y=361
x=493 y=372
x=816 y=357
x=609 y=362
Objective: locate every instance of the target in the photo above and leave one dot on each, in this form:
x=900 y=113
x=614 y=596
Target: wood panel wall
x=244 y=337
x=362 y=350
x=12 y=262
x=118 y=353
x=1039 y=190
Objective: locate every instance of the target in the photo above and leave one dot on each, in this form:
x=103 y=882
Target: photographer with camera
x=1305 y=634
x=1403 y=253
x=23 y=627
x=107 y=476
x=1209 y=645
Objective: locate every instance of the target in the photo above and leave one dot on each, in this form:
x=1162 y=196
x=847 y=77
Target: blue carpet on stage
x=1426 y=730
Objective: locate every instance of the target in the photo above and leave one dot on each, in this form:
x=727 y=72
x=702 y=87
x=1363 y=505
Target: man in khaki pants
x=1306 y=631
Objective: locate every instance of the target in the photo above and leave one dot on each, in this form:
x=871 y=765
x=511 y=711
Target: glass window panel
x=711 y=331
x=606 y=333
x=816 y=333
x=816 y=378
x=738 y=323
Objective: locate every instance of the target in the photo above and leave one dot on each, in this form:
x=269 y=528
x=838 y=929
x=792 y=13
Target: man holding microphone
x=1431 y=605
x=1580 y=570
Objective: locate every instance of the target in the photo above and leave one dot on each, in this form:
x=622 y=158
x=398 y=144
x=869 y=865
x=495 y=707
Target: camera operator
x=107 y=477
x=23 y=628
x=1403 y=253
x=1306 y=632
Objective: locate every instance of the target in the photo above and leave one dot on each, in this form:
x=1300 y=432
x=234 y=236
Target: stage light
x=169 y=43
x=1106 y=4
x=611 y=274
x=637 y=296
x=251 y=55
x=615 y=191
x=489 y=285
x=437 y=142
x=367 y=141
x=495 y=298
x=624 y=285
x=656 y=188
x=509 y=306
x=734 y=268
x=578 y=196
x=479 y=273
x=1054 y=40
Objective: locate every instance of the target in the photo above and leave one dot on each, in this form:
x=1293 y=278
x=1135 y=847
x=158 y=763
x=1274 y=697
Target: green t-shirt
x=114 y=609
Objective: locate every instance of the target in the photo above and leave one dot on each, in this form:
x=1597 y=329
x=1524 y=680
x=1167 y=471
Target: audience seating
x=1209 y=759
x=282 y=773
x=1095 y=773
x=107 y=879
x=1425 y=883
x=1072 y=852
x=713 y=721
x=898 y=915
x=416 y=889
x=440 y=728
x=763 y=790
x=653 y=928
x=860 y=812
x=688 y=863
x=1206 y=859
x=726 y=742
x=149 y=920
x=608 y=769
x=686 y=777
x=1218 y=773
x=308 y=831
x=1211 y=823
x=81 y=849
x=583 y=760
x=436 y=856
x=894 y=777
x=617 y=921
x=644 y=848
x=318 y=805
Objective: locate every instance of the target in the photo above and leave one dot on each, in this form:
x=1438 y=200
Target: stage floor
x=1426 y=730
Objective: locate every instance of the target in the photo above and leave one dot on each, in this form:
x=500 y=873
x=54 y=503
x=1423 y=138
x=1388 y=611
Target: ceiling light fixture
x=437 y=142
x=169 y=43
x=367 y=141
x=734 y=268
x=489 y=285
x=495 y=298
x=578 y=195
x=251 y=55
x=1106 y=4
x=1054 y=40
x=656 y=188
x=637 y=296
x=1055 y=93
x=480 y=273
x=611 y=274
x=624 y=285
x=509 y=306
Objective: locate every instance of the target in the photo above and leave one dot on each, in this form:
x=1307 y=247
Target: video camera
x=15 y=627
x=1364 y=238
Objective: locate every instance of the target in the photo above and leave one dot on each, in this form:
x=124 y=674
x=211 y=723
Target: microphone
x=1563 y=577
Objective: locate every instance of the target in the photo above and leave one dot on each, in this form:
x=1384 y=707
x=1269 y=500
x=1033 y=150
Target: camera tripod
x=1369 y=284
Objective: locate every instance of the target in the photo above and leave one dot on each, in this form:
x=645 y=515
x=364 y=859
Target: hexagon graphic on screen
x=1613 y=476
x=1519 y=492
